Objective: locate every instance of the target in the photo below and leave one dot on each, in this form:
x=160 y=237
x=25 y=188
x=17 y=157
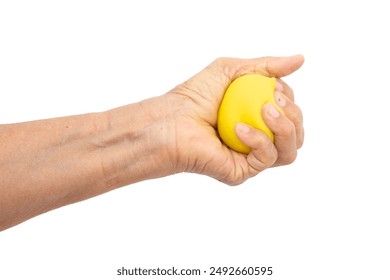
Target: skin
x=47 y=164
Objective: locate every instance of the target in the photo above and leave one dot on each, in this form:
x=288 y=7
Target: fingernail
x=279 y=99
x=242 y=127
x=273 y=112
x=278 y=86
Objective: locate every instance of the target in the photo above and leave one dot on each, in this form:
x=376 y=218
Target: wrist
x=137 y=142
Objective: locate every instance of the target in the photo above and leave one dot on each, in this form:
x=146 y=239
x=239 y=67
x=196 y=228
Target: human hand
x=199 y=149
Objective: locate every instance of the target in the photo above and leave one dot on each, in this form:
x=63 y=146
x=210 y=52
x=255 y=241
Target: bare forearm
x=50 y=163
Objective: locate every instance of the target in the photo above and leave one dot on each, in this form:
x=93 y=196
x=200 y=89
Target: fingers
x=284 y=133
x=263 y=152
x=287 y=127
x=293 y=114
x=281 y=86
x=288 y=132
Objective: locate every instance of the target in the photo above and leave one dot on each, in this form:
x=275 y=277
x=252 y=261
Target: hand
x=196 y=101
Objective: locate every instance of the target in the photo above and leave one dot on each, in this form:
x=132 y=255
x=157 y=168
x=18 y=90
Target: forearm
x=51 y=163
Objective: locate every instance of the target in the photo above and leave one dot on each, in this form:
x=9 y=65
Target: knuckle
x=266 y=159
x=272 y=156
x=290 y=158
x=233 y=181
x=287 y=130
x=222 y=61
x=233 y=177
x=300 y=143
x=297 y=113
x=300 y=139
x=219 y=60
x=226 y=66
x=288 y=91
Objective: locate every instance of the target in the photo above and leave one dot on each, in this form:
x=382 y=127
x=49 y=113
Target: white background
x=324 y=217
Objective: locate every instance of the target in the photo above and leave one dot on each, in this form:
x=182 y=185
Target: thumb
x=283 y=66
x=272 y=66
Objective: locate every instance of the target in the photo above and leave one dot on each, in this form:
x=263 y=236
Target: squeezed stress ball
x=242 y=102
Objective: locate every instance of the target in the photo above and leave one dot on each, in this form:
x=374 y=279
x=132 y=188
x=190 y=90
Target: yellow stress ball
x=242 y=102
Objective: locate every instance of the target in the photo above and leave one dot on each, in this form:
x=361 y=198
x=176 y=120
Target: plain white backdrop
x=326 y=216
